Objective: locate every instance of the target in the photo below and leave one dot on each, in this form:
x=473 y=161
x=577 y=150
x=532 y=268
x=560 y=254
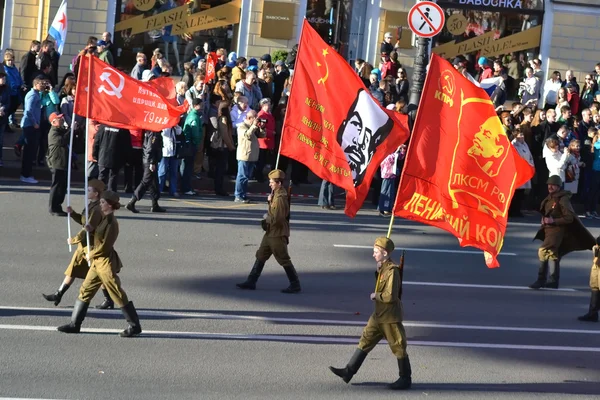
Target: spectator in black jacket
x=28 y=68
x=49 y=56
x=58 y=161
x=111 y=149
x=153 y=145
x=281 y=75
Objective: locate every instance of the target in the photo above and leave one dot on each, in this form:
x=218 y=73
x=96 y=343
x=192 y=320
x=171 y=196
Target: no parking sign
x=426 y=19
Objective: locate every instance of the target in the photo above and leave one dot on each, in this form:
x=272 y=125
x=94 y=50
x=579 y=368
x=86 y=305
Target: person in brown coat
x=276 y=238
x=386 y=320
x=592 y=314
x=561 y=232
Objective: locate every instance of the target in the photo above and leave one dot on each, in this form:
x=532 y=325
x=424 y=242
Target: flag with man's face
x=333 y=125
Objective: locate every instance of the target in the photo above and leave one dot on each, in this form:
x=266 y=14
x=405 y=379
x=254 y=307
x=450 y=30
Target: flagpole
x=69 y=168
x=289 y=94
x=87 y=150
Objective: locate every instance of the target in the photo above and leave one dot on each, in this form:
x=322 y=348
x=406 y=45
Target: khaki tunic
x=78 y=268
x=386 y=320
x=567 y=233
x=275 y=240
x=106 y=264
x=595 y=272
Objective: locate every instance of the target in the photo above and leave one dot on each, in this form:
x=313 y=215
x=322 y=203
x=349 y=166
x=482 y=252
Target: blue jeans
x=187 y=169
x=388 y=193
x=168 y=167
x=245 y=169
x=326 y=194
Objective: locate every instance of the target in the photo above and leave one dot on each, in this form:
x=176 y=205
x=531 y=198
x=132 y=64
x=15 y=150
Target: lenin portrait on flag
x=365 y=127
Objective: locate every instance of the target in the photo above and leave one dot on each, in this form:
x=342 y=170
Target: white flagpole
x=69 y=177
x=87 y=150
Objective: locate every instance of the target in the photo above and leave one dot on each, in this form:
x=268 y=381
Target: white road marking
x=307 y=321
x=479 y=252
x=468 y=285
x=310 y=339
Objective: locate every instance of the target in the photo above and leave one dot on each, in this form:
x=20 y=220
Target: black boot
x=294 y=287
x=253 y=277
x=156 y=208
x=554 y=275
x=542 y=272
x=592 y=315
x=132 y=318
x=79 y=312
x=405 y=372
x=131 y=205
x=57 y=297
x=353 y=365
x=107 y=303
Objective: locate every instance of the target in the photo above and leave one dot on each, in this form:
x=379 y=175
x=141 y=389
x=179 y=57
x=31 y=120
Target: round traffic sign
x=426 y=19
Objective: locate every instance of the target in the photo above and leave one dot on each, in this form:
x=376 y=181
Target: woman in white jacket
x=523 y=149
x=556 y=160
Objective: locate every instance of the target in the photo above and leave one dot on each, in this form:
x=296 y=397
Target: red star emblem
x=63 y=21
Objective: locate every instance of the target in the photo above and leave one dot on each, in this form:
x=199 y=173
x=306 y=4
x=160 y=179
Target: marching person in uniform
x=105 y=264
x=153 y=145
x=276 y=238
x=78 y=268
x=386 y=320
x=592 y=314
x=561 y=232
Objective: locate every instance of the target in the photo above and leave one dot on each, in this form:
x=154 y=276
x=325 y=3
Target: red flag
x=165 y=86
x=461 y=170
x=211 y=66
x=333 y=125
x=121 y=101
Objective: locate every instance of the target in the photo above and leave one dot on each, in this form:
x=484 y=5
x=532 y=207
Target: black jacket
x=28 y=69
x=111 y=147
x=152 y=148
x=58 y=148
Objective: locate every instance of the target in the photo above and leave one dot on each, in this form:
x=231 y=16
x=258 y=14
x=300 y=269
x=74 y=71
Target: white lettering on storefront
x=493 y=3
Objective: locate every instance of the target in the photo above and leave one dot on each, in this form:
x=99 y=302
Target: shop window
x=330 y=19
x=505 y=30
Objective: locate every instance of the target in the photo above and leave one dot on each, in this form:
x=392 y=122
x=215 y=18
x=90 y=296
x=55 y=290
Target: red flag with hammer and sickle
x=211 y=66
x=333 y=125
x=461 y=170
x=118 y=100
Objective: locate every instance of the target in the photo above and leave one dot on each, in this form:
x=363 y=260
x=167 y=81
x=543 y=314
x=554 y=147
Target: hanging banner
x=182 y=22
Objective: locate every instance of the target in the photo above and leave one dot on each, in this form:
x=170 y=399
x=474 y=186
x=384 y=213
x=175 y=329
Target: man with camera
x=248 y=133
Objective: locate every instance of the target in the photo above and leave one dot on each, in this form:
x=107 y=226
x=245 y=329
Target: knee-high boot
x=250 y=282
x=292 y=275
x=352 y=367
x=542 y=273
x=79 y=311
x=132 y=318
x=592 y=315
x=57 y=296
x=405 y=380
x=131 y=205
x=107 y=303
x=554 y=275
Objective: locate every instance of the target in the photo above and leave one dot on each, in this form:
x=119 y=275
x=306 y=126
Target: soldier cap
x=385 y=243
x=111 y=198
x=554 y=180
x=98 y=185
x=277 y=174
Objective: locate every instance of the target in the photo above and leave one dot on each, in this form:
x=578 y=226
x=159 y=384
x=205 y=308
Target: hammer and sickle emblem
x=323 y=79
x=447 y=83
x=114 y=89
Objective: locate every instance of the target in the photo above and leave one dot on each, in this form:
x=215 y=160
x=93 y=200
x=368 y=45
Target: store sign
x=397 y=23
x=278 y=20
x=514 y=4
x=489 y=47
x=182 y=22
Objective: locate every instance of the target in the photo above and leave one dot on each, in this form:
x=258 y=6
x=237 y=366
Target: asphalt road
x=473 y=333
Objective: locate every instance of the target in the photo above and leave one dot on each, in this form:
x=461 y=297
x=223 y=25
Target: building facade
x=564 y=34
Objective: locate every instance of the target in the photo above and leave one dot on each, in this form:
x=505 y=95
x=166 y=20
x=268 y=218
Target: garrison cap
x=277 y=174
x=98 y=185
x=385 y=243
x=111 y=197
x=554 y=180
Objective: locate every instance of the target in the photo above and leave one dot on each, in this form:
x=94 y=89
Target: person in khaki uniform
x=276 y=238
x=592 y=314
x=386 y=320
x=561 y=232
x=78 y=268
x=105 y=264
